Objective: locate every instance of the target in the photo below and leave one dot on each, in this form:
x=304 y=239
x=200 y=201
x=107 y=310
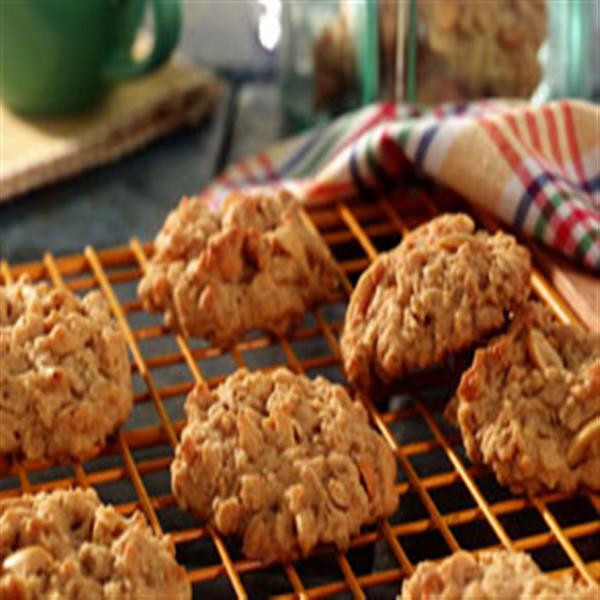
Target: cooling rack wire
x=445 y=502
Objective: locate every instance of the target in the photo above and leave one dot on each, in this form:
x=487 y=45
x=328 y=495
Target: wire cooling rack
x=445 y=502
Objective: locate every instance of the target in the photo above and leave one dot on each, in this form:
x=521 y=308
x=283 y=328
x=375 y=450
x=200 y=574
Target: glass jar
x=571 y=55
x=326 y=58
x=336 y=55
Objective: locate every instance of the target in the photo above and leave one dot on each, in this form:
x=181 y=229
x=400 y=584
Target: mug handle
x=167 y=27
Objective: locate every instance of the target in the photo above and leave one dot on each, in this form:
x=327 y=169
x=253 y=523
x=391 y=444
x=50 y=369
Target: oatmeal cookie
x=254 y=264
x=489 y=576
x=442 y=289
x=529 y=406
x=65 y=382
x=67 y=544
x=488 y=48
x=285 y=461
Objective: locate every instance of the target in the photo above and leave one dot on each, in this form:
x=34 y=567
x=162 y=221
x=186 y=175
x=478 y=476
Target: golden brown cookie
x=444 y=288
x=483 y=48
x=284 y=461
x=65 y=382
x=529 y=406
x=490 y=576
x=255 y=264
x=67 y=544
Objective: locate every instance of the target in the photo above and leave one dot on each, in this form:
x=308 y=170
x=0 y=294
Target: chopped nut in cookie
x=67 y=544
x=65 y=382
x=529 y=406
x=254 y=264
x=490 y=575
x=284 y=461
x=444 y=288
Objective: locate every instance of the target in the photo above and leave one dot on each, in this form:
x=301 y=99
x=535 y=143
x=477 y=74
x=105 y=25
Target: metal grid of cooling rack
x=446 y=503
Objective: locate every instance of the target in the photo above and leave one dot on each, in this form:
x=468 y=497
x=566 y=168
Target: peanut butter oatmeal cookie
x=285 y=461
x=67 y=544
x=65 y=382
x=529 y=406
x=444 y=288
x=487 y=48
x=490 y=576
x=254 y=264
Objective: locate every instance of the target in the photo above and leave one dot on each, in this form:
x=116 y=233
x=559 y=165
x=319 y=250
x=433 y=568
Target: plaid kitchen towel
x=537 y=168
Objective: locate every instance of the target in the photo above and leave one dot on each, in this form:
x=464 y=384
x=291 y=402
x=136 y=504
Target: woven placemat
x=35 y=152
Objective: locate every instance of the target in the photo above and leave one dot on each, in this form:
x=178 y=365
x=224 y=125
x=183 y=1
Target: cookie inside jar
x=467 y=49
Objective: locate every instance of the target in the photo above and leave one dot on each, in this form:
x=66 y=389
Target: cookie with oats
x=67 y=544
x=284 y=461
x=253 y=264
x=488 y=576
x=65 y=382
x=481 y=49
x=444 y=288
x=529 y=406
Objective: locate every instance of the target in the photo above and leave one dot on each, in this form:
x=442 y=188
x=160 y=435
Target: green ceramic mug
x=61 y=56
